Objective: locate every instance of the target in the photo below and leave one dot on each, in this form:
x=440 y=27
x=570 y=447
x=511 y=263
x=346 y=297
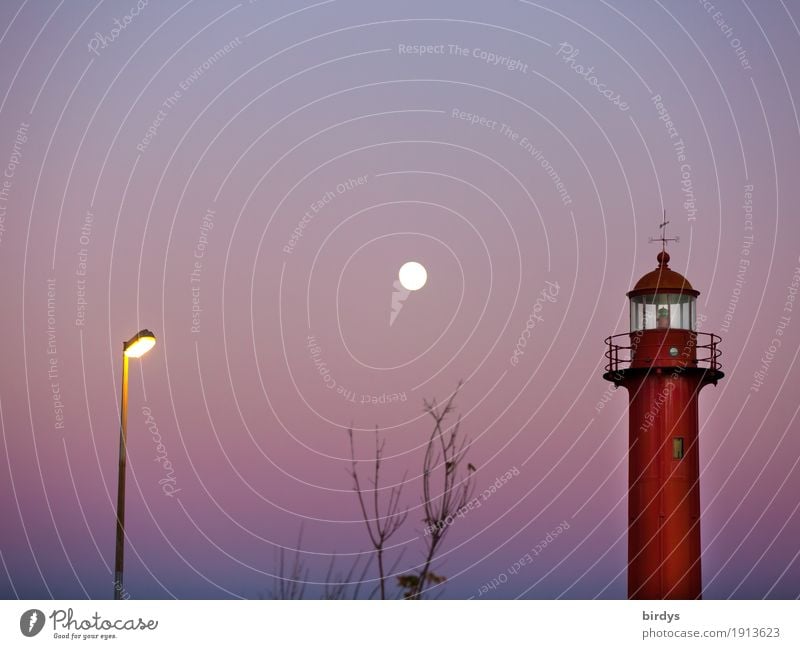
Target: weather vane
x=663 y=238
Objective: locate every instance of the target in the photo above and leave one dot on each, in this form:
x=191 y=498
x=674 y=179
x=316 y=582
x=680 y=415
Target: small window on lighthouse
x=677 y=448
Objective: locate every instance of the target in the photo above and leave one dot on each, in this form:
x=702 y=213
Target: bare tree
x=444 y=456
x=381 y=525
x=445 y=492
x=291 y=584
x=344 y=586
x=291 y=580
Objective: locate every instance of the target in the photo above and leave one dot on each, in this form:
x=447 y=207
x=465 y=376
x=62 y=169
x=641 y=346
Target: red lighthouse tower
x=663 y=362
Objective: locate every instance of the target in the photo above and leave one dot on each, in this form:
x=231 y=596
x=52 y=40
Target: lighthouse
x=663 y=362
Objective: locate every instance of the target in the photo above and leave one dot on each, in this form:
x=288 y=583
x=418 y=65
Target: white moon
x=412 y=276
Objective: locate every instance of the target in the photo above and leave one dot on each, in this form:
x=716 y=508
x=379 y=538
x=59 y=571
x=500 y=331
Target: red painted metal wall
x=664 y=499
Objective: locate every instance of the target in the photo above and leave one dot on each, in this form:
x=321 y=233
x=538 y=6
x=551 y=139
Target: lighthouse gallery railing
x=618 y=355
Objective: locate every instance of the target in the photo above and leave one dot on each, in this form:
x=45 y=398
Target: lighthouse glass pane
x=644 y=309
x=662 y=311
x=675 y=305
x=637 y=315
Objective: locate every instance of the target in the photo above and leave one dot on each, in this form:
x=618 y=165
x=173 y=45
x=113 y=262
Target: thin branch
x=293 y=585
x=381 y=525
x=454 y=495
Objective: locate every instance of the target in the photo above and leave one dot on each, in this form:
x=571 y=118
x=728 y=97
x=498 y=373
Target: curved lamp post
x=136 y=347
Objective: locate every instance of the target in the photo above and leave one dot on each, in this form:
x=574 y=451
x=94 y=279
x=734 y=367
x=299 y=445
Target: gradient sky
x=196 y=138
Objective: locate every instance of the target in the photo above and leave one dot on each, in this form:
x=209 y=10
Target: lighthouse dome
x=663 y=280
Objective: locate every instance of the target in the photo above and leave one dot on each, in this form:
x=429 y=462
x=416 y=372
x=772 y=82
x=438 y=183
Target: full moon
x=412 y=276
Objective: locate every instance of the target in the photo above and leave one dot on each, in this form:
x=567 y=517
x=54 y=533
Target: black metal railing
x=619 y=356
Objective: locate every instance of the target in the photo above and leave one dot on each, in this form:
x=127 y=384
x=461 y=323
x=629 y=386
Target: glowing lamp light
x=140 y=344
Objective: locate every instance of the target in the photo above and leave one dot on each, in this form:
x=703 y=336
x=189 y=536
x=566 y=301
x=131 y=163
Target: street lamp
x=136 y=347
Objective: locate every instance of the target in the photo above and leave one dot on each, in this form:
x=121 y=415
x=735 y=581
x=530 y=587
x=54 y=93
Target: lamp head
x=140 y=344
